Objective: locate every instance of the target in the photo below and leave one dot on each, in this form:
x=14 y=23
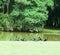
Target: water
x=23 y=36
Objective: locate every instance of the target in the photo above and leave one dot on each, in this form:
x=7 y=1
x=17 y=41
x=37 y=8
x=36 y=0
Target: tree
x=57 y=13
x=29 y=15
x=54 y=15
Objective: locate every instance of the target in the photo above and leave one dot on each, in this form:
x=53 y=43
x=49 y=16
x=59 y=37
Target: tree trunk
x=8 y=6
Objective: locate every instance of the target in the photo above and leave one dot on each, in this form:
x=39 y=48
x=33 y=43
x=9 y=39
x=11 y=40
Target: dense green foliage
x=54 y=15
x=24 y=15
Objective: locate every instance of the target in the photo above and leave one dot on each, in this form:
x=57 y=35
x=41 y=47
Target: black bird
x=39 y=38
x=46 y=39
x=23 y=39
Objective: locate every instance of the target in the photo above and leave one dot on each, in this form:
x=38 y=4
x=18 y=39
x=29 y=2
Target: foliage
x=54 y=15
x=27 y=15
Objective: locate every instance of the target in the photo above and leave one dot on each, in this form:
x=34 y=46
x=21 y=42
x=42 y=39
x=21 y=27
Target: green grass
x=29 y=48
x=51 y=31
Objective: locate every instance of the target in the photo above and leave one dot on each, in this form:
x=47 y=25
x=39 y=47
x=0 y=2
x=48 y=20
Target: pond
x=24 y=36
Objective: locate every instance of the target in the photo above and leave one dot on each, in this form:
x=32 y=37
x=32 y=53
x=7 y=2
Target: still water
x=11 y=36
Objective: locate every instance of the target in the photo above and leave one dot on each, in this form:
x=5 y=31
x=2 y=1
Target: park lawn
x=29 y=48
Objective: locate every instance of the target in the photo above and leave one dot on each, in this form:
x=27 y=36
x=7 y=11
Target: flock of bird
x=31 y=39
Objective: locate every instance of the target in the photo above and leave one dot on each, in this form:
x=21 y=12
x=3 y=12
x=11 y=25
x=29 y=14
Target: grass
x=51 y=31
x=29 y=48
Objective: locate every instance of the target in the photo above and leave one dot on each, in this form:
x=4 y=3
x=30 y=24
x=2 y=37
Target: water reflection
x=19 y=36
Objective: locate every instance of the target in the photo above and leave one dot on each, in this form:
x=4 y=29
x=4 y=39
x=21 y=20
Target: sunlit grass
x=29 y=48
x=51 y=31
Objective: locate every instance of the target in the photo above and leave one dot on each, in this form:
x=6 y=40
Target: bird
x=34 y=39
x=39 y=38
x=23 y=39
x=16 y=39
x=46 y=39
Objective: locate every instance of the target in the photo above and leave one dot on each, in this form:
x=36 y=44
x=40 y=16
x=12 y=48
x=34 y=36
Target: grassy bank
x=51 y=31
